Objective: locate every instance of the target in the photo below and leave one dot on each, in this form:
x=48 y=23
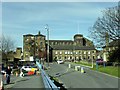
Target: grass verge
x=111 y=70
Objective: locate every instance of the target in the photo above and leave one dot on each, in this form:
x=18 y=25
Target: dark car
x=99 y=61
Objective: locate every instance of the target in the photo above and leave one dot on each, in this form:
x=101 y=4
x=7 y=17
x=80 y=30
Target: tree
x=106 y=26
x=7 y=45
x=114 y=56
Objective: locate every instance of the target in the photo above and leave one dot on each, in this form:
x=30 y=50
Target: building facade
x=109 y=48
x=78 y=49
x=33 y=46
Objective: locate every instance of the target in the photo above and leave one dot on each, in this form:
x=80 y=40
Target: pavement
x=33 y=81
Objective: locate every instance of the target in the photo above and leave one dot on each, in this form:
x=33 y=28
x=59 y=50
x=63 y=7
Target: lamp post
x=46 y=27
x=92 y=59
x=34 y=48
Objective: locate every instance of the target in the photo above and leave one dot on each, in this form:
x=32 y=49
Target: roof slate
x=71 y=47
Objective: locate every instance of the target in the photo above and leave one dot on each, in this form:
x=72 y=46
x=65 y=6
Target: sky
x=64 y=19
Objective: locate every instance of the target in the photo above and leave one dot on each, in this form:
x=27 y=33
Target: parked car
x=100 y=61
x=26 y=68
x=34 y=68
x=60 y=61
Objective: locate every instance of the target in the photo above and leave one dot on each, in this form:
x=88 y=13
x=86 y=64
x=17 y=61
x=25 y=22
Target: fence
x=46 y=80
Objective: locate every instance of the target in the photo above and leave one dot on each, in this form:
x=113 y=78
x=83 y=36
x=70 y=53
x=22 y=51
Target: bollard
x=69 y=65
x=76 y=68
x=82 y=70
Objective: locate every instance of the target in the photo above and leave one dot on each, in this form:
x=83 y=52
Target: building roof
x=114 y=43
x=71 y=47
x=28 y=35
x=60 y=40
x=40 y=35
x=34 y=35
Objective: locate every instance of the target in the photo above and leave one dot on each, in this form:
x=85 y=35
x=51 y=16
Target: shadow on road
x=64 y=73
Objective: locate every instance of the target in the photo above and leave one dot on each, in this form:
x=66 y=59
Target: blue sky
x=63 y=18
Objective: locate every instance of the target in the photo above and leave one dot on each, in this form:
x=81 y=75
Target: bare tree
x=107 y=26
x=7 y=45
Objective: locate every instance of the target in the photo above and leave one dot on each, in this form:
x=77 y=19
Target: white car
x=26 y=68
x=60 y=61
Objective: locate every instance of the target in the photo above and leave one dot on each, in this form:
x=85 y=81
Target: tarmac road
x=75 y=79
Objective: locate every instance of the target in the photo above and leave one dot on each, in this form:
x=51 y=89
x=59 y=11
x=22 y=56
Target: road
x=76 y=79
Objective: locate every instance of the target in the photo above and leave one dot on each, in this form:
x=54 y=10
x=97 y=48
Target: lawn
x=111 y=70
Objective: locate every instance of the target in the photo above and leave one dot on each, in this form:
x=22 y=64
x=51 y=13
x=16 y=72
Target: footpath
x=33 y=81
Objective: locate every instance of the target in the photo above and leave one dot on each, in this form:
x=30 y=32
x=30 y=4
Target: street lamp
x=47 y=28
x=92 y=60
x=34 y=47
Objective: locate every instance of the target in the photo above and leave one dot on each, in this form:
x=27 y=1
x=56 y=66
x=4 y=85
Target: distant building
x=33 y=46
x=109 y=48
x=12 y=56
x=79 y=49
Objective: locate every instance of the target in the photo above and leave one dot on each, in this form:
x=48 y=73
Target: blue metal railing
x=46 y=80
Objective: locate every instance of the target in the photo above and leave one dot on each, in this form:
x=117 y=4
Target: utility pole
x=47 y=28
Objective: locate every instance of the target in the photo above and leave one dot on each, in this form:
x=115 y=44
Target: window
x=65 y=57
x=32 y=38
x=76 y=52
x=56 y=52
x=88 y=52
x=79 y=52
x=88 y=57
x=84 y=52
x=55 y=43
x=41 y=43
x=68 y=52
x=65 y=52
x=60 y=52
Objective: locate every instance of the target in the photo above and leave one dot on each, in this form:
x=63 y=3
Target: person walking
x=7 y=74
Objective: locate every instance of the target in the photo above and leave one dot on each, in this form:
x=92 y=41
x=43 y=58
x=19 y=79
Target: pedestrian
x=7 y=74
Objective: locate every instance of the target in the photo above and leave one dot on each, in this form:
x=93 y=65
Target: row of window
x=76 y=58
x=71 y=52
x=60 y=43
